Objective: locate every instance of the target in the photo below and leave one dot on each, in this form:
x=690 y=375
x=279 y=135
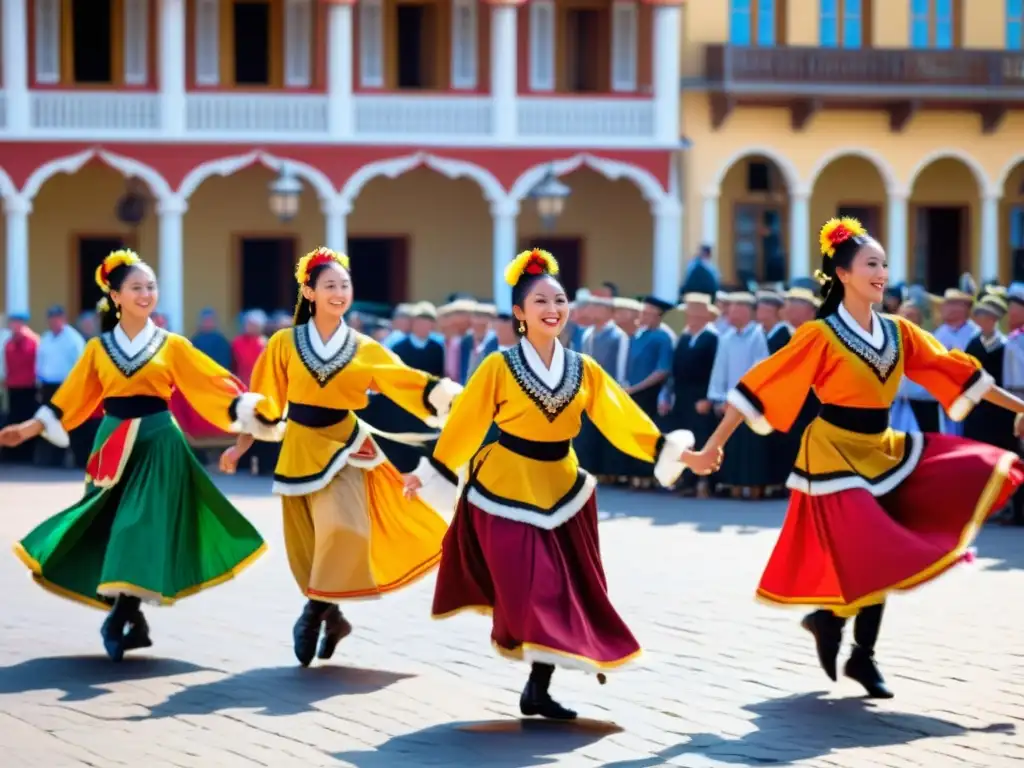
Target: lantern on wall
x=133 y=204
x=285 y=192
x=549 y=196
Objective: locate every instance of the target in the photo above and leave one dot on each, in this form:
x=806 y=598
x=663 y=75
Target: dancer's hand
x=411 y=486
x=14 y=435
x=703 y=462
x=230 y=458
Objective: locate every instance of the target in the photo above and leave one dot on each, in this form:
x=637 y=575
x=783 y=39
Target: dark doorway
x=758 y=242
x=92 y=41
x=252 y=42
x=940 y=246
x=584 y=39
x=268 y=273
x=92 y=250
x=415 y=46
x=379 y=269
x=569 y=253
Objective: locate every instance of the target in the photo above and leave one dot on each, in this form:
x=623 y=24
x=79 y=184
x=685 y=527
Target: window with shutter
x=298 y=43
x=624 y=46
x=371 y=44
x=207 y=42
x=464 y=44
x=542 y=45
x=136 y=39
x=47 y=25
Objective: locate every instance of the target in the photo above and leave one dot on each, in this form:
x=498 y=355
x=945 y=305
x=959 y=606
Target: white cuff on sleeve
x=668 y=464
x=248 y=421
x=971 y=396
x=440 y=399
x=436 y=490
x=53 y=430
x=751 y=413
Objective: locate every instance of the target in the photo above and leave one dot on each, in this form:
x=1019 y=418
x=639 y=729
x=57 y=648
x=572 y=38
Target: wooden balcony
x=900 y=81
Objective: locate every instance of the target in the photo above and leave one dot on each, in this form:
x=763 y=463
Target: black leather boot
x=336 y=629
x=861 y=666
x=827 y=629
x=137 y=635
x=113 y=627
x=306 y=631
x=537 y=701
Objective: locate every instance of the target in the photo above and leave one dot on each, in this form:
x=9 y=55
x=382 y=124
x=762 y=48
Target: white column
x=989 y=267
x=172 y=262
x=339 y=70
x=667 y=24
x=800 y=264
x=504 y=213
x=896 y=245
x=504 y=47
x=15 y=65
x=171 y=46
x=336 y=213
x=709 y=224
x=667 y=270
x=16 y=211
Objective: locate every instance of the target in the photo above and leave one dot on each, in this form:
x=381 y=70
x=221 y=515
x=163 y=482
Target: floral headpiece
x=534 y=262
x=122 y=258
x=837 y=231
x=314 y=259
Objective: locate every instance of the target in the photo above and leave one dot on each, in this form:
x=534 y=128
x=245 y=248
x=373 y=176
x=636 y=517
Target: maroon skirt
x=545 y=590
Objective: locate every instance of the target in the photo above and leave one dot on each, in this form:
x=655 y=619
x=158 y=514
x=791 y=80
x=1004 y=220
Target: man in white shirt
x=59 y=350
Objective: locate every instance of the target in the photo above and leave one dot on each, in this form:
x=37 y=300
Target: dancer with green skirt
x=151 y=526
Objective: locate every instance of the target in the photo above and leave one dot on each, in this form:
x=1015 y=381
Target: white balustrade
x=424 y=119
x=94 y=114
x=583 y=120
x=247 y=115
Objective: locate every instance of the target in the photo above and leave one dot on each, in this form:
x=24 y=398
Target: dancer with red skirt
x=872 y=510
x=523 y=544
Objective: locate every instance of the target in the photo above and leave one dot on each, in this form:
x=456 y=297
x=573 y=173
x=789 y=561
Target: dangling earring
x=117 y=312
x=522 y=327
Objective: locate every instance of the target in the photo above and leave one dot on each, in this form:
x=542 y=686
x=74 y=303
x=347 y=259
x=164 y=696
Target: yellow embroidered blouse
x=309 y=390
x=856 y=376
x=510 y=391
x=151 y=365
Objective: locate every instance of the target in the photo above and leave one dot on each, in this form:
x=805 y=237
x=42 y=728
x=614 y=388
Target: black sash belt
x=315 y=417
x=864 y=421
x=535 y=449
x=134 y=407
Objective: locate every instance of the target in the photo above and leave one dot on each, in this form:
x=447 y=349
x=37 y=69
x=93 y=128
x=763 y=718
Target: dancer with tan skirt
x=349 y=531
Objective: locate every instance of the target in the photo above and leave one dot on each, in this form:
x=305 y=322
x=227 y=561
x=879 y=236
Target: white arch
x=649 y=186
x=784 y=164
x=394 y=167
x=881 y=165
x=70 y=164
x=227 y=166
x=1004 y=175
x=985 y=187
x=8 y=188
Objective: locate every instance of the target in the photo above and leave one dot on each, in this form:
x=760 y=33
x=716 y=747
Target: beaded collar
x=324 y=370
x=550 y=401
x=129 y=365
x=882 y=362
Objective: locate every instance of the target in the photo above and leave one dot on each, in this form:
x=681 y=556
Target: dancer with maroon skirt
x=523 y=545
x=872 y=510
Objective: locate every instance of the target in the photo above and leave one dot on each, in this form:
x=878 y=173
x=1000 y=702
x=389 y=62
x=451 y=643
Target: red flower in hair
x=840 y=234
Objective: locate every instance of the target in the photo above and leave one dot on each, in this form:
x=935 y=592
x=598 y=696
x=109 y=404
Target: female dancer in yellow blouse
x=349 y=531
x=872 y=510
x=523 y=545
x=151 y=526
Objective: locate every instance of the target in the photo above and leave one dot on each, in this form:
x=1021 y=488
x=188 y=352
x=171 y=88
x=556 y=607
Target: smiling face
x=867 y=275
x=545 y=308
x=331 y=292
x=138 y=295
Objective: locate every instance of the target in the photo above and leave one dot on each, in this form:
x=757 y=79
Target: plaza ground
x=724 y=682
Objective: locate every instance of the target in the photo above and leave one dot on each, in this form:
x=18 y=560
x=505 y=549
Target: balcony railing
x=949 y=74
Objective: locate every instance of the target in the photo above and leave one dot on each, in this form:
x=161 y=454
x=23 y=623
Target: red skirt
x=848 y=549
x=545 y=590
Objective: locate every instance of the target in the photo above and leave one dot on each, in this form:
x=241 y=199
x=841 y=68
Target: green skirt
x=162 y=531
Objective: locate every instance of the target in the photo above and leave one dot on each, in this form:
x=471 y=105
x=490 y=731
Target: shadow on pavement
x=274 y=691
x=804 y=727
x=1004 y=544
x=703 y=515
x=510 y=743
x=82 y=678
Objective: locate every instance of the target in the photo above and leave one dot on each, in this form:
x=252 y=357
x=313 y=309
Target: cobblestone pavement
x=724 y=682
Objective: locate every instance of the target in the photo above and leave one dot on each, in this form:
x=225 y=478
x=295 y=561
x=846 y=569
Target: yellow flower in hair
x=838 y=231
x=116 y=259
x=534 y=262
x=103 y=305
x=314 y=259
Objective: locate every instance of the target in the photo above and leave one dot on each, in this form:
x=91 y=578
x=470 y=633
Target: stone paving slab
x=724 y=681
